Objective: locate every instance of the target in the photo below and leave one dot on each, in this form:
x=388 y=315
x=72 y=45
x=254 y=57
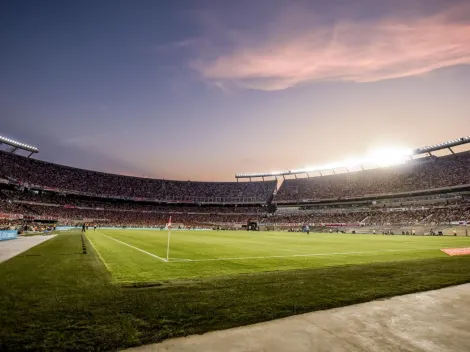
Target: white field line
x=297 y=255
x=98 y=252
x=140 y=250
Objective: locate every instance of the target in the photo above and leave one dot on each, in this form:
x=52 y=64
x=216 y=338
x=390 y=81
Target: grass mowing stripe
x=218 y=254
x=98 y=254
x=302 y=255
x=140 y=250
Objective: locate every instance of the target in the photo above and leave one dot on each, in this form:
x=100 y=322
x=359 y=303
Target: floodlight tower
x=18 y=146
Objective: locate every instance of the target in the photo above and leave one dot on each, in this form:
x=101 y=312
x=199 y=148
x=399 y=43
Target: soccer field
x=139 y=255
x=56 y=296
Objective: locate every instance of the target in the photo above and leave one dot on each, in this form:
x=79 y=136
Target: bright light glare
x=332 y=166
x=354 y=163
x=381 y=158
x=390 y=156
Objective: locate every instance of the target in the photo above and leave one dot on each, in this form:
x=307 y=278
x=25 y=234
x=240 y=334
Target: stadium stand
x=387 y=216
x=425 y=192
x=67 y=210
x=44 y=175
x=418 y=175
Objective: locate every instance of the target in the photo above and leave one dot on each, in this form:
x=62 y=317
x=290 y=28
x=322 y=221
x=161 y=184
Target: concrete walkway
x=433 y=321
x=11 y=248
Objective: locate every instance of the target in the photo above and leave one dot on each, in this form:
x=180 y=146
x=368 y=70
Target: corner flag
x=168 y=225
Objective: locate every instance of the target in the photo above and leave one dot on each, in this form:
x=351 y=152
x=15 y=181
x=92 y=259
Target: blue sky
x=202 y=90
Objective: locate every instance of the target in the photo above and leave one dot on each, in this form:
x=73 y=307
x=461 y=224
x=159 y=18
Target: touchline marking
x=296 y=255
x=140 y=250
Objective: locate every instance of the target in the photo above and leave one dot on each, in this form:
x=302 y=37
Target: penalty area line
x=140 y=250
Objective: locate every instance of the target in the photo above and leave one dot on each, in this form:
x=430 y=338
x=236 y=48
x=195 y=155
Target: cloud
x=365 y=50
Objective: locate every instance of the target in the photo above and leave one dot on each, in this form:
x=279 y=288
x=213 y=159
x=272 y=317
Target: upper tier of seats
x=58 y=177
x=429 y=173
x=423 y=174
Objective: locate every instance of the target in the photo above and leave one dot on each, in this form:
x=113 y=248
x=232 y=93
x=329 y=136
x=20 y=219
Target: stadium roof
x=18 y=145
x=448 y=144
x=394 y=156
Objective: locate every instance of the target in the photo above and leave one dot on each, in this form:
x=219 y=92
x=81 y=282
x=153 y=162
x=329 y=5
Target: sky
x=205 y=89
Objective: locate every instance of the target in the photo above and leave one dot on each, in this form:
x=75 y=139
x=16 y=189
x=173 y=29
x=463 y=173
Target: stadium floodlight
x=17 y=144
x=299 y=171
x=381 y=158
x=332 y=166
x=390 y=156
x=277 y=173
x=354 y=162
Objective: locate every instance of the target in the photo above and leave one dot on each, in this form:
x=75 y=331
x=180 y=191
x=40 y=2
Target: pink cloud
x=346 y=51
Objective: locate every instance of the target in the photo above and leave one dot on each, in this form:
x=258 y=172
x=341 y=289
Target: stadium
x=234 y=176
x=124 y=261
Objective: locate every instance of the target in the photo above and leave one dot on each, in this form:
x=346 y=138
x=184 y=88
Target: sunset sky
x=202 y=90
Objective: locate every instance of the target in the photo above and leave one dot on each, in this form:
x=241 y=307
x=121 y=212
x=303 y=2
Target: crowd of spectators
x=64 y=205
x=407 y=217
x=35 y=172
x=6 y=224
x=449 y=214
x=21 y=226
x=415 y=175
x=9 y=207
x=128 y=214
x=134 y=218
x=55 y=207
x=117 y=205
x=374 y=216
x=427 y=173
x=318 y=218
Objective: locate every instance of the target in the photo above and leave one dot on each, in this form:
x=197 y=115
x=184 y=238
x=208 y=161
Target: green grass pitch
x=139 y=255
x=54 y=297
